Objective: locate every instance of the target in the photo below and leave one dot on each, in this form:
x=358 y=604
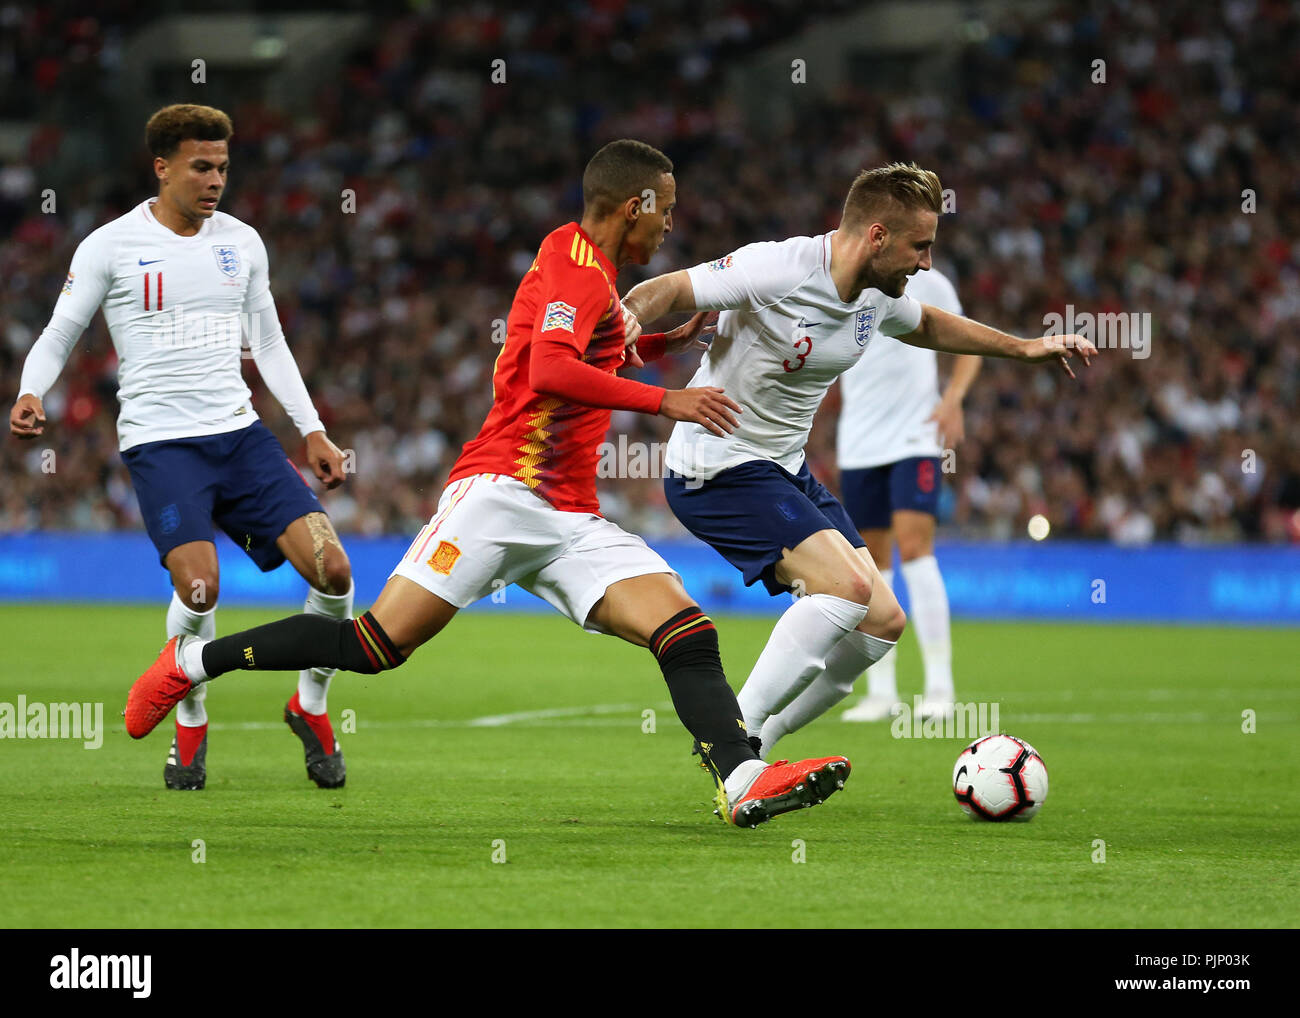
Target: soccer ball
x=1000 y=777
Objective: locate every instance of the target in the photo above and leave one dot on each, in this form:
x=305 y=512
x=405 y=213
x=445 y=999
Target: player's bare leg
x=195 y=574
x=410 y=615
x=633 y=609
x=882 y=683
x=314 y=550
x=930 y=615
x=655 y=611
x=847 y=618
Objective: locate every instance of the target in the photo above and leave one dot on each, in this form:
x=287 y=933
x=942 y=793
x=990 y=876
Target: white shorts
x=491 y=531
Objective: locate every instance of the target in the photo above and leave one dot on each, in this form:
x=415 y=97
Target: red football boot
x=784 y=786
x=156 y=692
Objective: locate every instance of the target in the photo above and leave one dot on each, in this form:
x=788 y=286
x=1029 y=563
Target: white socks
x=314 y=683
x=185 y=621
x=739 y=780
x=931 y=622
x=796 y=654
x=853 y=655
x=182 y=620
x=191 y=662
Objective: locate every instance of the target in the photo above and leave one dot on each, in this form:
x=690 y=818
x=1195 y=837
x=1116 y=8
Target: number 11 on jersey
x=157 y=289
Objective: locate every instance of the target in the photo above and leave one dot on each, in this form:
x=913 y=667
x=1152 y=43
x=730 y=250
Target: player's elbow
x=543 y=382
x=546 y=370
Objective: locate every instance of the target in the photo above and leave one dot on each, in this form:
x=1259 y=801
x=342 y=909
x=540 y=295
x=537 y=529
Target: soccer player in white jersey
x=891 y=433
x=182 y=286
x=797 y=314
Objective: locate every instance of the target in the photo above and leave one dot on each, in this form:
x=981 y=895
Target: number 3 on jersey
x=802 y=355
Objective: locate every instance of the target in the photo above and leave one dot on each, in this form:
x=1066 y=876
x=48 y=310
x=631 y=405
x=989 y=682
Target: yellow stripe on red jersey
x=567 y=295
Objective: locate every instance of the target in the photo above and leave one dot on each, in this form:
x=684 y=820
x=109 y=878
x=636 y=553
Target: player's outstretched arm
x=556 y=369
x=707 y=405
x=951 y=333
x=660 y=296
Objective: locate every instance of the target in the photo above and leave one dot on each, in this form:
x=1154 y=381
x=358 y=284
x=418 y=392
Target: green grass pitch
x=519 y=738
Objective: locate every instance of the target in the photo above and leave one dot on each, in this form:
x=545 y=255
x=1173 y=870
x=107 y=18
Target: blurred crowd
x=1163 y=185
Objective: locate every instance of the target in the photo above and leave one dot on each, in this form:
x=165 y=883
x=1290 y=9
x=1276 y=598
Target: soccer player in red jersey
x=521 y=507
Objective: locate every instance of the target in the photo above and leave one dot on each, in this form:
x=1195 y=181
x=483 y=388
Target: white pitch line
x=496 y=720
x=549 y=716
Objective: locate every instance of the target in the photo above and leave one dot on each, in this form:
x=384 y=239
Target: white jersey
x=890 y=392
x=176 y=308
x=783 y=338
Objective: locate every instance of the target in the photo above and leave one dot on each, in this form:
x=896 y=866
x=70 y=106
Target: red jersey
x=555 y=383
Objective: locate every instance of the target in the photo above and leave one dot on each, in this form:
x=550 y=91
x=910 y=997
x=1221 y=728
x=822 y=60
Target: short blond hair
x=172 y=125
x=879 y=195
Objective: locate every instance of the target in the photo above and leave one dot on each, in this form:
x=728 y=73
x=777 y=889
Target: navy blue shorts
x=751 y=513
x=241 y=480
x=872 y=495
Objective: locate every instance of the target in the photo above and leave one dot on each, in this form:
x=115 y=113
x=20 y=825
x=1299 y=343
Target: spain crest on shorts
x=866 y=321
x=444 y=557
x=227 y=259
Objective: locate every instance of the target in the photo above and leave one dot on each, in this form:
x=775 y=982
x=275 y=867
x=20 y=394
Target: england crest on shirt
x=866 y=321
x=227 y=260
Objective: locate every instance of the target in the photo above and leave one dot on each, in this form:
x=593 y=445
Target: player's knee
x=891 y=626
x=915 y=547
x=860 y=588
x=198 y=589
x=336 y=571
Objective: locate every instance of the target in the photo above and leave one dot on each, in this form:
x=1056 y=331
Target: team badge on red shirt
x=559 y=315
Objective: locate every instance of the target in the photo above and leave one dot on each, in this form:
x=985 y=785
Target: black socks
x=687 y=649
x=304 y=641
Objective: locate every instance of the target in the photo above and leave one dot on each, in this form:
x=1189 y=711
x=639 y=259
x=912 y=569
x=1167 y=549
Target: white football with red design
x=1000 y=777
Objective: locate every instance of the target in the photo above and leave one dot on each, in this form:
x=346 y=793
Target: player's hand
x=706 y=406
x=951 y=421
x=27 y=418
x=1047 y=348
x=326 y=459
x=631 y=328
x=690 y=335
